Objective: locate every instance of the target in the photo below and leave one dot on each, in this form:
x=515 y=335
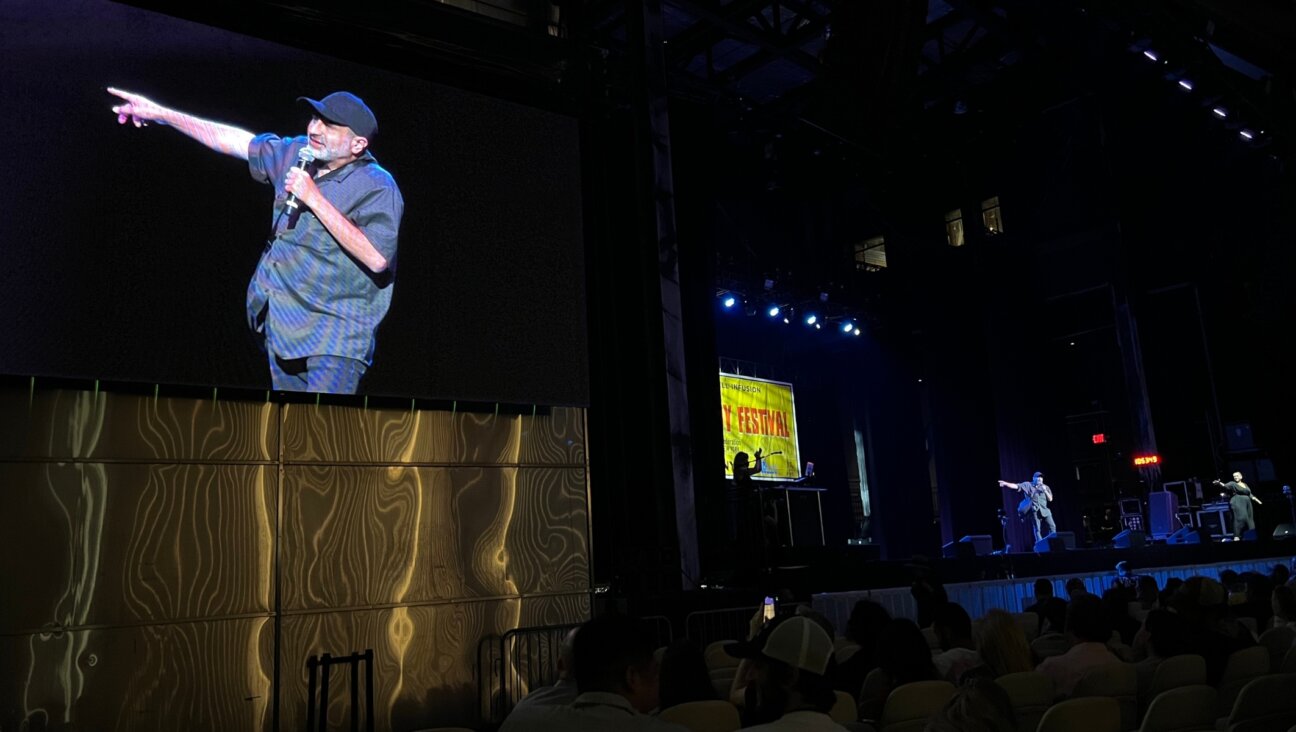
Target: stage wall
x=161 y=555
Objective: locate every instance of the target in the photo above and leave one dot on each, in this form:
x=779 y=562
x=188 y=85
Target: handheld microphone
x=305 y=156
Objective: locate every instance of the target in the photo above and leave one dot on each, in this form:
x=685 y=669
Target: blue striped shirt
x=308 y=294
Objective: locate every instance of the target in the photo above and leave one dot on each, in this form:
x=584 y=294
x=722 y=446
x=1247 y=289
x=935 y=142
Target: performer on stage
x=753 y=525
x=1240 y=498
x=324 y=281
x=1035 y=503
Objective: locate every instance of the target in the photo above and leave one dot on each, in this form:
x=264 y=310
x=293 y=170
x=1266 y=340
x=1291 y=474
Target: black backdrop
x=127 y=251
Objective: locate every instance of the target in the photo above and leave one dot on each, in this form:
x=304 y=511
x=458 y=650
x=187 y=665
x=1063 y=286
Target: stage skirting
x=1011 y=594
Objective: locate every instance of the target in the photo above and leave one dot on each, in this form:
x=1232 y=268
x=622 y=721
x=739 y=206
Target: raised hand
x=138 y=109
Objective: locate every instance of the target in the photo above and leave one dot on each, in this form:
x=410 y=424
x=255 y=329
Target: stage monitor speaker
x=1284 y=531
x=1189 y=535
x=1163 y=507
x=1053 y=543
x=1067 y=537
x=1129 y=540
x=1250 y=535
x=958 y=550
x=981 y=543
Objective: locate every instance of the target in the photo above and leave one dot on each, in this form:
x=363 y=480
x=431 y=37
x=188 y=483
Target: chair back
x=1279 y=642
x=909 y=706
x=1117 y=681
x=1182 y=709
x=1265 y=704
x=1091 y=714
x=1242 y=667
x=1031 y=694
x=715 y=655
x=1188 y=669
x=929 y=633
x=844 y=710
x=712 y=715
x=1050 y=644
x=1289 y=662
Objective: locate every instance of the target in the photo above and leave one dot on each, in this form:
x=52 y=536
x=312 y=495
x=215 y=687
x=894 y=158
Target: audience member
x=1280 y=575
x=1146 y=597
x=1167 y=593
x=791 y=658
x=865 y=625
x=1075 y=587
x=927 y=590
x=953 y=630
x=1115 y=607
x=980 y=706
x=563 y=692
x=1162 y=636
x=617 y=681
x=684 y=676
x=1200 y=601
x=1051 y=610
x=903 y=656
x=1086 y=624
x=1002 y=645
x=1283 y=603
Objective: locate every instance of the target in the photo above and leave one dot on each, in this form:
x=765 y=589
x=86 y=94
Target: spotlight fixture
x=1220 y=112
x=857 y=331
x=786 y=321
x=1151 y=55
x=847 y=327
x=769 y=284
x=1186 y=84
x=773 y=311
x=823 y=297
x=817 y=326
x=729 y=301
x=812 y=319
x=1246 y=134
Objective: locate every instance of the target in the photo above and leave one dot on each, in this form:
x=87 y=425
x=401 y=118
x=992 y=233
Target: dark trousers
x=1047 y=518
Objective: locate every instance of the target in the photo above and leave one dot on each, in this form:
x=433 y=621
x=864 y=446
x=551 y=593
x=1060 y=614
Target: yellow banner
x=756 y=413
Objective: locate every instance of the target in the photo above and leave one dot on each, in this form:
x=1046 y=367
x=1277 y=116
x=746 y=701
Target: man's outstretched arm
x=222 y=138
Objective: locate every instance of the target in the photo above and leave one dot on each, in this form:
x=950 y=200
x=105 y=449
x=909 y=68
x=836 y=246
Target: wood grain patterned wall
x=141 y=535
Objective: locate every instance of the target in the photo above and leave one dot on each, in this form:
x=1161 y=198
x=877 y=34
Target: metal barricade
x=707 y=626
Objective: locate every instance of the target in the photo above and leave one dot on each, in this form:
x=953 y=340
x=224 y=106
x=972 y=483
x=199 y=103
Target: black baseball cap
x=345 y=108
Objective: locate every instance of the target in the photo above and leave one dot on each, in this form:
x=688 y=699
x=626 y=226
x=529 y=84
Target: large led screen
x=434 y=249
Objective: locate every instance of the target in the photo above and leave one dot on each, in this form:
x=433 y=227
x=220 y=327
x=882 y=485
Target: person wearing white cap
x=792 y=656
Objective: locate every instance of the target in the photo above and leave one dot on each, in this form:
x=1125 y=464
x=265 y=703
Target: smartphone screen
x=769 y=608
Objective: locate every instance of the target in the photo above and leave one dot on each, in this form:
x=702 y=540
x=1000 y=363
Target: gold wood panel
x=362 y=536
x=208 y=676
x=425 y=657
x=101 y=544
x=352 y=435
x=109 y=426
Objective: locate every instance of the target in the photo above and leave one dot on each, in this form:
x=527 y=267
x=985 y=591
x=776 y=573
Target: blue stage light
x=729 y=301
x=773 y=311
x=811 y=319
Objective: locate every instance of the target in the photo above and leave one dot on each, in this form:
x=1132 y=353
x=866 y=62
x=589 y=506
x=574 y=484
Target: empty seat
x=1242 y=667
x=1091 y=714
x=1279 y=643
x=909 y=706
x=1031 y=694
x=1117 y=681
x=1265 y=704
x=844 y=710
x=1183 y=709
x=703 y=716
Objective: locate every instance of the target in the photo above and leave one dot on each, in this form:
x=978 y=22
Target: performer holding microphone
x=325 y=278
x=1240 y=498
x=1035 y=503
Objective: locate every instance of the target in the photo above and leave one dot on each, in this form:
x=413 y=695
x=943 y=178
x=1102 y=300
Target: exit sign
x=1145 y=460
x=1099 y=438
